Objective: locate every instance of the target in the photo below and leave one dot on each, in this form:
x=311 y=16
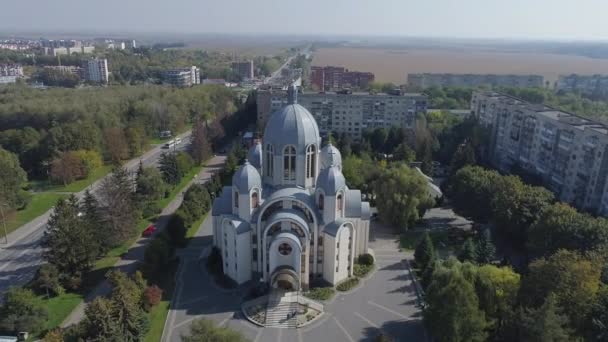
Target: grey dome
x=330 y=155
x=246 y=178
x=292 y=125
x=331 y=180
x=255 y=155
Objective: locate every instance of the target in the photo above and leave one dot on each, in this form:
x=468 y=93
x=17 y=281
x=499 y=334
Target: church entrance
x=286 y=280
x=284 y=285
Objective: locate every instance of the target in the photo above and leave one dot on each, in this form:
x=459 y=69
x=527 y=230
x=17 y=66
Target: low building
x=595 y=86
x=11 y=70
x=567 y=152
x=96 y=70
x=182 y=77
x=8 y=79
x=349 y=112
x=422 y=81
x=67 y=69
x=244 y=69
x=332 y=78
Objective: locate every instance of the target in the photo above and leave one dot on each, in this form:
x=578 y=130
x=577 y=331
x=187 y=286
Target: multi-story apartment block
x=96 y=70
x=569 y=153
x=349 y=113
x=331 y=77
x=422 y=81
x=11 y=70
x=182 y=77
x=590 y=85
x=243 y=69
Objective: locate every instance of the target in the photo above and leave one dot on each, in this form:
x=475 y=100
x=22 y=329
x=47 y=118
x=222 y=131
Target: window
x=289 y=163
x=254 y=200
x=236 y=199
x=339 y=204
x=310 y=161
x=269 y=160
x=321 y=201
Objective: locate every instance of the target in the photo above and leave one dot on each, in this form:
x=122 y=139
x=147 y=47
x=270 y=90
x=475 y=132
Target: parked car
x=149 y=231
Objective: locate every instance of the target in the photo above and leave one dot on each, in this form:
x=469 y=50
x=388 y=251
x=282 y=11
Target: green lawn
x=76 y=186
x=60 y=307
x=158 y=315
x=39 y=204
x=195 y=226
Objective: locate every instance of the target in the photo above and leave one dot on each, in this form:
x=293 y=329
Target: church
x=289 y=218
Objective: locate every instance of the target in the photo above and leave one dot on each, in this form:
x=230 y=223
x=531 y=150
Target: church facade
x=289 y=218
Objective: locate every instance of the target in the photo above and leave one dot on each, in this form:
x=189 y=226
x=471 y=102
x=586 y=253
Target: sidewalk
x=128 y=263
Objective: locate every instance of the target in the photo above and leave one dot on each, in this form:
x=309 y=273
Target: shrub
x=152 y=296
x=347 y=284
x=47 y=281
x=320 y=293
x=361 y=270
x=53 y=336
x=176 y=230
x=366 y=259
x=22 y=311
x=150 y=209
x=157 y=253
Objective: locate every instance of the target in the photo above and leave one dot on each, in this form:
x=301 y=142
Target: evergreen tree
x=201 y=148
x=127 y=306
x=150 y=185
x=485 y=250
x=117 y=206
x=599 y=316
x=169 y=168
x=469 y=251
x=70 y=245
x=99 y=323
x=425 y=252
x=89 y=206
x=427 y=274
x=545 y=323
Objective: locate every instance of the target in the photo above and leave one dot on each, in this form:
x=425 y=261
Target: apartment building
x=96 y=70
x=243 y=69
x=426 y=80
x=349 y=113
x=68 y=69
x=569 y=153
x=182 y=77
x=11 y=70
x=590 y=85
x=332 y=78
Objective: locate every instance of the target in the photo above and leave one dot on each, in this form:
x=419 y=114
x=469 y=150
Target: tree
x=136 y=140
x=201 y=147
x=404 y=153
x=177 y=228
x=169 y=168
x=573 y=279
x=545 y=323
x=465 y=155
x=203 y=330
x=402 y=196
x=70 y=245
x=22 y=311
x=117 y=207
x=89 y=161
x=453 y=312
x=150 y=185
x=100 y=322
x=378 y=139
x=47 y=280
x=12 y=178
x=116 y=144
x=66 y=168
x=468 y=251
x=152 y=296
x=184 y=164
x=425 y=251
x=598 y=330
x=54 y=335
x=485 y=250
x=157 y=253
x=90 y=207
x=127 y=306
x=497 y=289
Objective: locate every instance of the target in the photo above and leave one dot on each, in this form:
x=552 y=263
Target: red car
x=149 y=231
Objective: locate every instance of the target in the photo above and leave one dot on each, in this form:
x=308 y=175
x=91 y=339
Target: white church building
x=289 y=217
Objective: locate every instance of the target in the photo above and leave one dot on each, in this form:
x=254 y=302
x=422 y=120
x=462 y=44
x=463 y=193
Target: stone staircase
x=280 y=306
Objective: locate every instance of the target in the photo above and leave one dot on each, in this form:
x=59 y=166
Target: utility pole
x=4 y=223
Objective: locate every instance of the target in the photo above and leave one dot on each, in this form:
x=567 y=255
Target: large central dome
x=292 y=125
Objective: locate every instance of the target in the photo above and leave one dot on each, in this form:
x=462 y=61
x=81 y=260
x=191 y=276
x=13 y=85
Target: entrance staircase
x=280 y=308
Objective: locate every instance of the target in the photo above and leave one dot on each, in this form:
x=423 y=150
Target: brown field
x=394 y=65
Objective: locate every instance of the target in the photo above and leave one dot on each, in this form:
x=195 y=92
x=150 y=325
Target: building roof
x=289 y=214
x=246 y=178
x=353 y=203
x=223 y=203
x=292 y=125
x=331 y=180
x=365 y=211
x=329 y=156
x=240 y=226
x=333 y=228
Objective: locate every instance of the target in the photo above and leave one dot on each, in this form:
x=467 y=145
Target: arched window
x=269 y=160
x=236 y=199
x=289 y=163
x=254 y=200
x=340 y=204
x=321 y=202
x=310 y=161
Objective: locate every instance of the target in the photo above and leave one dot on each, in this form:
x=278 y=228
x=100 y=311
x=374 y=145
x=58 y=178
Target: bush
x=150 y=209
x=47 y=281
x=366 y=259
x=157 y=253
x=347 y=284
x=320 y=293
x=152 y=296
x=361 y=270
x=22 y=311
x=53 y=336
x=177 y=230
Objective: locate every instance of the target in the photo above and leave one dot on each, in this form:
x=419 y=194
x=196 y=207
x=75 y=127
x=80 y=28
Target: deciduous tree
x=22 y=311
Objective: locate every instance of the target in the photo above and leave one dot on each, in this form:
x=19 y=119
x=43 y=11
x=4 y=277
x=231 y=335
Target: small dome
x=255 y=155
x=331 y=180
x=330 y=155
x=246 y=178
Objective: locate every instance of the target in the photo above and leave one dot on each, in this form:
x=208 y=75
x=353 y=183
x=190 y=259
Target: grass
x=60 y=307
x=195 y=226
x=38 y=205
x=76 y=186
x=166 y=281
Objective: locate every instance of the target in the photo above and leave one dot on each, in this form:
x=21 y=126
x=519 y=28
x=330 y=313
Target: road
x=135 y=254
x=277 y=73
x=20 y=259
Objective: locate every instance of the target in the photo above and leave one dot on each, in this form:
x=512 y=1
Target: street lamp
x=4 y=222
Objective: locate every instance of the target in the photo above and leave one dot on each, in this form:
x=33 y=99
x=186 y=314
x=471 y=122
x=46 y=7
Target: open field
x=392 y=65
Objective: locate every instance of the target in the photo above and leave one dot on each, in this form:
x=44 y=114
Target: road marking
x=279 y=335
x=388 y=310
x=367 y=320
x=343 y=329
x=257 y=336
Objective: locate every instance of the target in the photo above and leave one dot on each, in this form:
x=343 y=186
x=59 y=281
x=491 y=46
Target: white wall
x=345 y=257
x=329 y=258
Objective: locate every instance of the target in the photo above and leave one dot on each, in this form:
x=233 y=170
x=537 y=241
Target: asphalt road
x=20 y=259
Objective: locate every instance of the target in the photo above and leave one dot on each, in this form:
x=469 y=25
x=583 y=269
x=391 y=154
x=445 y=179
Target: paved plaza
x=385 y=301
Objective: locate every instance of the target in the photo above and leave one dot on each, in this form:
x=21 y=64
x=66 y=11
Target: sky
x=519 y=19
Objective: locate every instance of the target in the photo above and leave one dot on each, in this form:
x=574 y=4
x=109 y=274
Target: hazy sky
x=561 y=19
